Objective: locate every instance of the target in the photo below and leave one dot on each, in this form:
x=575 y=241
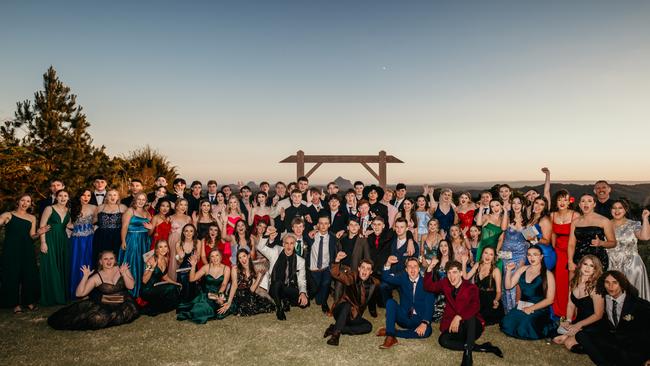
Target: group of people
x=537 y=266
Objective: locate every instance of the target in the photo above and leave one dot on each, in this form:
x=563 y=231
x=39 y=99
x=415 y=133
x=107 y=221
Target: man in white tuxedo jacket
x=286 y=278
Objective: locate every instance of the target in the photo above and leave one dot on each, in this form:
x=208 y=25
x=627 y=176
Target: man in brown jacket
x=348 y=310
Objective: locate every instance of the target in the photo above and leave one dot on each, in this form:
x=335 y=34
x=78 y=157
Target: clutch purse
x=504 y=254
x=523 y=304
x=112 y=299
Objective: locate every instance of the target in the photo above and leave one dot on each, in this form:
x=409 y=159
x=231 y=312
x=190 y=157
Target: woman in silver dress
x=625 y=256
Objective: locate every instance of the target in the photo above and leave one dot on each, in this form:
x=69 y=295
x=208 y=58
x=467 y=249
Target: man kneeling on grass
x=415 y=310
x=461 y=324
x=348 y=312
x=288 y=285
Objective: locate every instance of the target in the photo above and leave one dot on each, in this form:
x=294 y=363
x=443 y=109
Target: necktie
x=377 y=242
x=100 y=194
x=319 y=262
x=299 y=247
x=615 y=312
x=362 y=290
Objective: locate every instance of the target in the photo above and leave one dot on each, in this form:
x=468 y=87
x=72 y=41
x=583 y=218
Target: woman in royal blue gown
x=81 y=243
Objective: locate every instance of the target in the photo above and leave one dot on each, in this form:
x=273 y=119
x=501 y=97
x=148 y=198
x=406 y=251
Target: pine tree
x=52 y=133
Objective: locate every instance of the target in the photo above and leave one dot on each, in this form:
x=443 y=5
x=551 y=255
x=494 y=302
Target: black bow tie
x=100 y=194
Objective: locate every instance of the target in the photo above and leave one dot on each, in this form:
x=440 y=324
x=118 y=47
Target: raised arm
x=510 y=278
x=87 y=283
x=644 y=233
x=547 y=184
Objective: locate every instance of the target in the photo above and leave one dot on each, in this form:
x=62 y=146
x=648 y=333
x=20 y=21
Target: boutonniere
x=628 y=318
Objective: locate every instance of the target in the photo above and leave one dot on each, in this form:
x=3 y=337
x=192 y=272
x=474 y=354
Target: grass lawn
x=27 y=340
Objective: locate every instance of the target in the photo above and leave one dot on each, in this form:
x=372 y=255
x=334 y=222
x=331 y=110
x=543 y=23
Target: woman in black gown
x=487 y=277
x=159 y=291
x=591 y=233
x=585 y=307
x=109 y=303
x=248 y=302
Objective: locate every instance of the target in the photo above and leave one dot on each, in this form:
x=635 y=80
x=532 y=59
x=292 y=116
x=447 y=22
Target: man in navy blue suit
x=414 y=312
x=402 y=246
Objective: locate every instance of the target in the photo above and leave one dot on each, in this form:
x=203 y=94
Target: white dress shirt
x=100 y=199
x=619 y=307
x=314 y=252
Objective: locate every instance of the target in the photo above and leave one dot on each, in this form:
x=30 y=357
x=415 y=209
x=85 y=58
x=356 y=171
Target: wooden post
x=300 y=164
x=382 y=169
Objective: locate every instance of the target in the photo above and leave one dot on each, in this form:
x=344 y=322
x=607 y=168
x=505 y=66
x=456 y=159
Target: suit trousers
x=604 y=349
x=345 y=325
x=279 y=291
x=321 y=285
x=397 y=315
x=468 y=332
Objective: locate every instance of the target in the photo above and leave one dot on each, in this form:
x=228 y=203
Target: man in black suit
x=55 y=186
x=350 y=206
x=623 y=335
x=194 y=198
x=483 y=204
x=212 y=191
x=99 y=193
x=374 y=194
x=604 y=202
x=338 y=218
x=179 y=186
x=135 y=187
x=245 y=193
x=297 y=209
x=400 y=196
x=358 y=189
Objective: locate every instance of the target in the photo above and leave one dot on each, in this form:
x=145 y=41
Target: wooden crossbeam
x=381 y=159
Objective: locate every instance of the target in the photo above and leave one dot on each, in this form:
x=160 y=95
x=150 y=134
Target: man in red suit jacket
x=461 y=324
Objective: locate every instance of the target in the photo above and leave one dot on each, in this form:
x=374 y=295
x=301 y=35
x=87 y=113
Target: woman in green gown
x=19 y=272
x=490 y=228
x=55 y=252
x=211 y=302
x=159 y=291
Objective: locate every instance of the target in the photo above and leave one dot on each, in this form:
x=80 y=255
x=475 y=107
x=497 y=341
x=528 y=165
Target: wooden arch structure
x=382 y=159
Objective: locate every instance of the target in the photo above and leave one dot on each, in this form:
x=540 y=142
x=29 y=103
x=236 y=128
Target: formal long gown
x=201 y=308
x=487 y=292
x=466 y=220
x=107 y=235
x=562 y=232
x=584 y=236
x=439 y=304
x=188 y=289
x=515 y=243
x=161 y=232
x=202 y=229
x=625 y=257
x=19 y=272
x=81 y=250
x=174 y=238
x=137 y=243
x=55 y=265
x=160 y=297
x=446 y=220
x=92 y=313
x=250 y=303
x=538 y=324
x=489 y=238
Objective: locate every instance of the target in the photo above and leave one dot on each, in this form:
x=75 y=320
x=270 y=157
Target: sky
x=458 y=90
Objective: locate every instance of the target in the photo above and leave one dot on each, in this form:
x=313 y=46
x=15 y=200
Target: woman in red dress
x=162 y=225
x=211 y=241
x=465 y=211
x=561 y=218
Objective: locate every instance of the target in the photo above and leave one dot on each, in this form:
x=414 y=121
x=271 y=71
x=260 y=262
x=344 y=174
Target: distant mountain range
x=638 y=192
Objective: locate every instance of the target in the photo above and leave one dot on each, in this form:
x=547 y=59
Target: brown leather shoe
x=389 y=342
x=381 y=332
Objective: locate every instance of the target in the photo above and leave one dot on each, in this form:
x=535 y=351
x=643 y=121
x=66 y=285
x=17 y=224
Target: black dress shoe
x=577 y=348
x=467 y=358
x=329 y=331
x=489 y=348
x=373 y=312
x=325 y=308
x=334 y=339
x=280 y=315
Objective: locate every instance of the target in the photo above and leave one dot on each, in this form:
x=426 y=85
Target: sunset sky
x=459 y=90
